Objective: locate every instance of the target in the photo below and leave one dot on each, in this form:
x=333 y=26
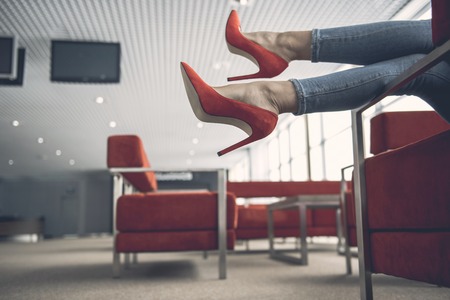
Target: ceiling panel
x=155 y=35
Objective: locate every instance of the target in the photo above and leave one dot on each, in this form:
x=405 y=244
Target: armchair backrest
x=440 y=21
x=392 y=130
x=127 y=151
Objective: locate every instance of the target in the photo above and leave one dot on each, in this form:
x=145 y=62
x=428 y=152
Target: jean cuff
x=300 y=97
x=315 y=46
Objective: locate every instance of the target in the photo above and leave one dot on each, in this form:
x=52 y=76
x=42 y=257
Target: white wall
x=77 y=203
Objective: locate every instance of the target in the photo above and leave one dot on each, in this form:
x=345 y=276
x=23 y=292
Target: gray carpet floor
x=80 y=268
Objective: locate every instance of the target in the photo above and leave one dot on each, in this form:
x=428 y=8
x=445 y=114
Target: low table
x=303 y=203
x=13 y=225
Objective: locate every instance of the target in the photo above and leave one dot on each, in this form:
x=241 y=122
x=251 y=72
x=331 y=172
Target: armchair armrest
x=343 y=181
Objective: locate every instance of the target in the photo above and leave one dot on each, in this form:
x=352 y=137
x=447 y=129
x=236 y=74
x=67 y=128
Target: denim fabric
x=386 y=49
x=370 y=43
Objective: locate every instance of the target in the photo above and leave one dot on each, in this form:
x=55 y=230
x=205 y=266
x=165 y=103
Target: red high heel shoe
x=270 y=64
x=210 y=106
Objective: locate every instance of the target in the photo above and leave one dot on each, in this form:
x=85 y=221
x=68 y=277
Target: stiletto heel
x=270 y=64
x=210 y=106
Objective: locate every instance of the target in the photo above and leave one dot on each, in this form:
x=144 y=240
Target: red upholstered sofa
x=148 y=220
x=252 y=219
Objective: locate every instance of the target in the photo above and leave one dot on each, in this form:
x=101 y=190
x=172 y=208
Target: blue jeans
x=385 y=49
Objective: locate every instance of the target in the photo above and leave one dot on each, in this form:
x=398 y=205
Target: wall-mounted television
x=8 y=57
x=85 y=61
x=18 y=80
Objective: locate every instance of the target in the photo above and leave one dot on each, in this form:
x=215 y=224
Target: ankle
x=254 y=93
x=290 y=45
x=295 y=45
x=270 y=41
x=276 y=96
x=282 y=95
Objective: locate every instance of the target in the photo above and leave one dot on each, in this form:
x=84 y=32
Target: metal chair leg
x=116 y=264
x=127 y=261
x=222 y=222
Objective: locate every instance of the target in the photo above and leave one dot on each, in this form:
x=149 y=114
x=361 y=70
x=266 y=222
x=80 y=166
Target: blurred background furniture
x=11 y=225
x=152 y=221
x=348 y=219
x=300 y=204
x=252 y=218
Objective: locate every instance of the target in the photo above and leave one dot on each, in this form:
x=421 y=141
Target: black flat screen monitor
x=18 y=80
x=8 y=57
x=85 y=62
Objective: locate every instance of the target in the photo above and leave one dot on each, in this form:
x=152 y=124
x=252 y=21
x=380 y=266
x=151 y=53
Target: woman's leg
x=371 y=43
x=358 y=44
x=355 y=87
x=345 y=90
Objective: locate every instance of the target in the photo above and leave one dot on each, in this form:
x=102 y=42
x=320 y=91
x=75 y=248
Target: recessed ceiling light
x=42 y=157
x=40 y=140
x=11 y=162
x=112 y=124
x=218 y=65
x=58 y=152
x=99 y=100
x=15 y=123
x=192 y=153
x=241 y=2
x=199 y=125
x=72 y=162
x=195 y=141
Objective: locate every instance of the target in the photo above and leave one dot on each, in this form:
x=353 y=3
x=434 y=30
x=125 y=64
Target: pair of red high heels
x=210 y=106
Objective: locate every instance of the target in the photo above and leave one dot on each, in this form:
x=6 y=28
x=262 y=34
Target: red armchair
x=401 y=196
x=401 y=200
x=388 y=131
x=154 y=221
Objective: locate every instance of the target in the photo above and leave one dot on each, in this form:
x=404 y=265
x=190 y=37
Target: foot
x=275 y=96
x=291 y=45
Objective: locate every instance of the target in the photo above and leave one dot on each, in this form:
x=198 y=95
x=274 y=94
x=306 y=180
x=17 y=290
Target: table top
x=323 y=201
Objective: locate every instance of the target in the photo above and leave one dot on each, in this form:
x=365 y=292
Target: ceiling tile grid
x=155 y=35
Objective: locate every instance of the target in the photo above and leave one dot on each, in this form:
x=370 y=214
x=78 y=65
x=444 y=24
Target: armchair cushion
x=194 y=240
x=409 y=187
x=172 y=211
x=422 y=256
